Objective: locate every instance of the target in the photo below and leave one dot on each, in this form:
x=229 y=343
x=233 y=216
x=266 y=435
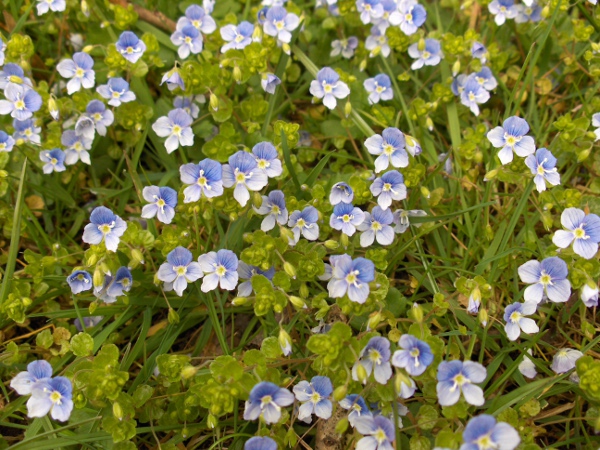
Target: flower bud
x=374 y=320
x=286 y=48
x=257 y=35
x=421 y=44
x=118 y=411
x=490 y=175
x=429 y=123
x=303 y=291
x=211 y=421
x=340 y=393
x=363 y=65
x=417 y=312
x=98 y=277
x=361 y=373
x=237 y=74
x=173 y=316
x=15 y=79
x=348 y=108
x=137 y=256
x=53 y=108
x=93 y=307
x=455 y=68
x=483 y=317
x=341 y=426
x=344 y=240
x=425 y=192
x=85 y=8
x=297 y=302
x=213 y=102
x=289 y=269
x=287 y=233
x=188 y=372
x=331 y=244
x=240 y=301
x=285 y=342
x=256 y=199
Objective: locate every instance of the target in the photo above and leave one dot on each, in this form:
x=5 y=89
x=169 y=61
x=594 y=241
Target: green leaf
x=82 y=344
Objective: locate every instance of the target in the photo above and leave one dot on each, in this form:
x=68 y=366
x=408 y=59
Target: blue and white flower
x=220 y=269
x=369 y=10
x=267 y=159
x=415 y=357
x=280 y=24
x=479 y=51
x=199 y=18
x=101 y=116
x=13 y=74
x=269 y=82
x=114 y=286
x=514 y=315
x=374 y=358
x=80 y=281
x=511 y=137
x=351 y=277
x=246 y=272
x=76 y=147
x=105 y=226
x=243 y=173
x=547 y=279
x=565 y=359
x=473 y=94
x=390 y=186
x=379 y=88
x=188 y=40
x=51 y=395
x=273 y=206
x=237 y=37
x=376 y=225
x=402 y=219
x=379 y=433
x=176 y=127
x=581 y=230
x=455 y=377
x=204 y=178
x=502 y=10
x=377 y=43
x=410 y=16
x=189 y=104
x=589 y=294
x=328 y=87
x=6 y=142
x=357 y=406
x=486 y=78
x=304 y=222
x=179 y=270
x=130 y=46
x=346 y=217
x=79 y=70
x=345 y=47
x=27 y=131
x=161 y=203
x=543 y=166
x=173 y=79
x=531 y=13
x=390 y=148
x=116 y=91
x=315 y=398
x=483 y=432
x=266 y=400
x=260 y=443
x=20 y=102
x=43 y=6
x=427 y=53
x=341 y=192
x=527 y=366
x=37 y=370
x=54 y=160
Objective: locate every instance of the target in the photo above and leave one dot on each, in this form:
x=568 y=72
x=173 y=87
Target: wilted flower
x=246 y=272
x=402 y=219
x=527 y=367
x=589 y=294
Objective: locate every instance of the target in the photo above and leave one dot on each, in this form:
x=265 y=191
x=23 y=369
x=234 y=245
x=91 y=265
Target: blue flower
x=369 y=10
x=543 y=166
x=595 y=123
x=405 y=385
x=515 y=320
x=429 y=54
x=357 y=405
x=101 y=116
x=188 y=104
x=377 y=226
x=203 y=178
x=52 y=395
x=473 y=94
x=13 y=74
x=54 y=160
x=189 y=40
x=304 y=222
x=351 y=277
x=114 y=287
x=266 y=400
x=479 y=51
x=80 y=281
x=260 y=443
x=390 y=186
x=379 y=433
x=173 y=79
x=105 y=226
x=379 y=88
x=246 y=272
x=162 y=203
x=6 y=142
x=269 y=82
x=527 y=366
x=589 y=294
x=377 y=43
x=130 y=46
x=389 y=146
x=36 y=371
x=402 y=219
x=220 y=268
x=20 y=102
x=346 y=218
x=43 y=6
x=199 y=18
x=266 y=157
x=176 y=127
x=414 y=357
x=582 y=230
x=456 y=376
x=502 y=10
x=117 y=91
x=410 y=16
x=179 y=270
x=79 y=70
x=2 y=50
x=243 y=173
x=274 y=207
x=76 y=147
x=328 y=87
x=26 y=131
x=565 y=359
x=375 y=358
x=510 y=137
x=237 y=37
x=531 y=13
x=486 y=78
x=341 y=192
x=280 y=24
x=314 y=397
x=89 y=322
x=345 y=47
x=485 y=433
x=458 y=84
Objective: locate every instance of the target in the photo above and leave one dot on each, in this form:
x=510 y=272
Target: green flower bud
x=212 y=421
x=483 y=317
x=341 y=426
x=361 y=373
x=331 y=244
x=417 y=313
x=117 y=411
x=289 y=269
x=348 y=108
x=285 y=342
x=213 y=102
x=340 y=393
x=297 y=302
x=240 y=301
x=188 y=372
x=173 y=316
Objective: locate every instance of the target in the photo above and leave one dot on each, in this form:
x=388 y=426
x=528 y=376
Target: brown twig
x=157 y=19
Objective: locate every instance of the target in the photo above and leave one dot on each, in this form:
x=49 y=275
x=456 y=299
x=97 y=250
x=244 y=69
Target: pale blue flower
x=27 y=131
x=547 y=279
x=389 y=148
x=101 y=116
x=410 y=16
x=402 y=219
x=596 y=123
x=328 y=87
x=479 y=51
x=369 y=10
x=430 y=55
x=89 y=322
x=345 y=47
x=260 y=443
x=304 y=222
x=346 y=217
x=266 y=400
x=114 y=286
x=130 y=46
x=6 y=142
x=351 y=277
x=414 y=357
x=315 y=398
x=37 y=370
x=80 y=281
x=357 y=406
x=43 y=6
x=176 y=127
x=374 y=358
x=379 y=88
x=455 y=377
x=105 y=226
x=54 y=160
x=583 y=231
x=243 y=173
x=199 y=18
x=341 y=192
x=220 y=268
x=79 y=70
x=12 y=73
x=188 y=40
x=246 y=272
x=390 y=186
x=407 y=386
x=189 y=104
x=173 y=79
x=237 y=37
x=273 y=206
x=116 y=91
x=589 y=294
x=204 y=178
x=473 y=94
x=379 y=433
x=565 y=359
x=76 y=147
x=280 y=24
x=162 y=202
x=485 y=433
x=377 y=226
x=543 y=166
x=20 y=102
x=179 y=270
x=511 y=137
x=514 y=315
x=2 y=50
x=502 y=10
x=527 y=367
x=486 y=78
x=377 y=43
x=269 y=82
x=267 y=159
x=53 y=395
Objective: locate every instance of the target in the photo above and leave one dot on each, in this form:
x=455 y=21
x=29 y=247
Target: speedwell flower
x=479 y=51
x=511 y=137
x=280 y=24
x=243 y=173
x=173 y=80
x=485 y=433
x=27 y=131
x=13 y=74
x=402 y=219
x=76 y=147
x=266 y=400
x=177 y=128
x=375 y=358
x=410 y=16
x=328 y=87
x=130 y=46
x=260 y=443
x=188 y=104
x=390 y=148
x=199 y=18
x=583 y=231
x=314 y=397
x=269 y=82
x=589 y=294
x=414 y=357
x=246 y=272
x=162 y=202
x=220 y=268
x=80 y=281
x=102 y=117
x=357 y=406
x=36 y=371
x=376 y=225
x=179 y=269
x=456 y=376
x=390 y=186
x=21 y=102
x=429 y=54
x=54 y=160
x=105 y=226
x=377 y=43
x=486 y=79
x=341 y=192
x=346 y=217
x=204 y=178
x=547 y=279
x=502 y=10
x=514 y=315
x=267 y=159
x=43 y=6
x=565 y=359
x=79 y=70
x=543 y=166
x=351 y=277
x=527 y=366
x=304 y=222
x=237 y=37
x=116 y=91
x=114 y=286
x=370 y=10
x=188 y=39
x=379 y=433
x=379 y=88
x=345 y=47
x=473 y=94
x=53 y=395
x=6 y=142
x=275 y=210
